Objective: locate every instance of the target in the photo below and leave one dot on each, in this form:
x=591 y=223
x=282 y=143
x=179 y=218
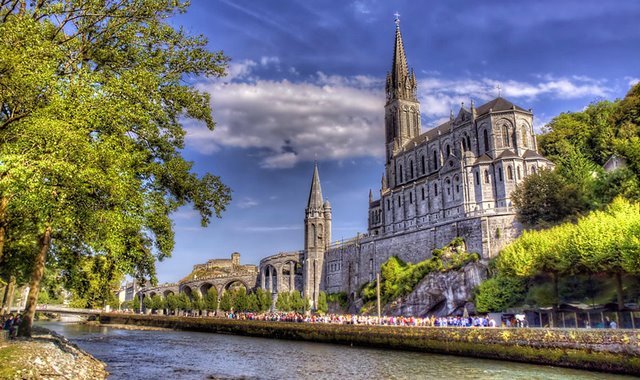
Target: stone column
x=270 y=279
x=292 y=276
x=263 y=286
x=279 y=279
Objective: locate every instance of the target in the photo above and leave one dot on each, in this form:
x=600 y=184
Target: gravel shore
x=47 y=355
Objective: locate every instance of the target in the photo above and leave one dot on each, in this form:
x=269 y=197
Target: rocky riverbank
x=47 y=355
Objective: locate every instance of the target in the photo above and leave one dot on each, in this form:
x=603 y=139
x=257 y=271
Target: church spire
x=315 y=195
x=401 y=83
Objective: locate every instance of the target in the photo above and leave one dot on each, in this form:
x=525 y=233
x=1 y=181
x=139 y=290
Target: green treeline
x=582 y=243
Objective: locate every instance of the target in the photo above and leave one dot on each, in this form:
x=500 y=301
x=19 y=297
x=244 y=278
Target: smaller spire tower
x=317 y=238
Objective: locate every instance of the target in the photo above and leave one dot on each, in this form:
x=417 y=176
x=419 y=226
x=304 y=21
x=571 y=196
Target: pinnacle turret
x=401 y=82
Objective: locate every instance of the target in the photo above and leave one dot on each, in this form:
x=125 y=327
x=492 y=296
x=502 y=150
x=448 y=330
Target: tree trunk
x=8 y=295
x=4 y=201
x=556 y=301
x=34 y=285
x=619 y=291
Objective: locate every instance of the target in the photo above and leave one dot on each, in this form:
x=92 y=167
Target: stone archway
x=186 y=289
x=167 y=293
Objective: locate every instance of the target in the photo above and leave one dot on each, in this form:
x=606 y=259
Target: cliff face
x=441 y=294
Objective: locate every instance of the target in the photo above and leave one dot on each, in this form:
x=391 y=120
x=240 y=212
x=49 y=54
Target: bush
x=499 y=293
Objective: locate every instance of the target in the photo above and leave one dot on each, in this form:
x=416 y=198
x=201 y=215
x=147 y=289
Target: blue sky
x=306 y=83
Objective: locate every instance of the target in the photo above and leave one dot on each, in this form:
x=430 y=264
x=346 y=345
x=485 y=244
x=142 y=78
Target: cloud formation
x=334 y=117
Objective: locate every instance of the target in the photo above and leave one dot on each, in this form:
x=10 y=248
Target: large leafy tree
x=92 y=100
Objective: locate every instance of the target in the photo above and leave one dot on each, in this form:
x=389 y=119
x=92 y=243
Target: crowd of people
x=10 y=323
x=474 y=321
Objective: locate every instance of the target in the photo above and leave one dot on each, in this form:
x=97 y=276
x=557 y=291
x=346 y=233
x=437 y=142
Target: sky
x=306 y=83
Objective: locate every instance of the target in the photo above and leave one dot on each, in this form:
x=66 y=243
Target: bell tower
x=402 y=110
x=317 y=237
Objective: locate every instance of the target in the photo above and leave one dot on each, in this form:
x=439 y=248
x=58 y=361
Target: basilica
x=450 y=181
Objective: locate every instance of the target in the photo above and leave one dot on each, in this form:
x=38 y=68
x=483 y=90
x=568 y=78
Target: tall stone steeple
x=317 y=237
x=402 y=110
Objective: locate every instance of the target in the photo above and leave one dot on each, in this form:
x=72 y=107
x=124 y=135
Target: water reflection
x=132 y=354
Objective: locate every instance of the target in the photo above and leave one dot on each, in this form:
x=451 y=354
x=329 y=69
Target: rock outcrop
x=441 y=293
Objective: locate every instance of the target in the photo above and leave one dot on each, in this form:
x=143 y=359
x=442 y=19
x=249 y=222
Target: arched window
x=486 y=176
x=423 y=193
x=457 y=182
x=424 y=166
x=518 y=172
x=435 y=159
x=448 y=150
x=435 y=189
x=401 y=176
x=485 y=136
x=509 y=173
x=524 y=136
x=533 y=169
x=468 y=142
x=464 y=144
x=448 y=183
x=477 y=178
x=411 y=167
x=505 y=136
x=500 y=174
x=410 y=198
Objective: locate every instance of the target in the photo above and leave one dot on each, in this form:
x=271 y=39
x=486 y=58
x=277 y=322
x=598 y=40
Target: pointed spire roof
x=315 y=195
x=401 y=82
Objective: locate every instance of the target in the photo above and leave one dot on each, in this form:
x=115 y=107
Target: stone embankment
x=613 y=351
x=47 y=355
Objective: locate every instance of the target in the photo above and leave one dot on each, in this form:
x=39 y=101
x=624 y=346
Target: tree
x=211 y=299
x=136 y=303
x=226 y=301
x=264 y=300
x=184 y=302
x=545 y=198
x=283 y=303
x=499 y=293
x=323 y=306
x=173 y=304
x=157 y=302
x=252 y=303
x=91 y=124
x=240 y=301
x=197 y=303
x=147 y=302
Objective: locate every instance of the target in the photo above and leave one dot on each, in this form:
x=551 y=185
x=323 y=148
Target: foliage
x=264 y=299
x=499 y=293
x=197 y=303
x=398 y=278
x=158 y=302
x=323 y=306
x=546 y=198
x=226 y=301
x=92 y=101
x=135 y=304
x=339 y=298
x=183 y=302
x=211 y=299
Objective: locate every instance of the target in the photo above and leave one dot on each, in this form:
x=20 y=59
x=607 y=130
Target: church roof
x=315 y=195
x=531 y=154
x=497 y=104
x=508 y=154
x=485 y=158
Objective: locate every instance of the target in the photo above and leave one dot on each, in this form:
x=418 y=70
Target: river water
x=137 y=354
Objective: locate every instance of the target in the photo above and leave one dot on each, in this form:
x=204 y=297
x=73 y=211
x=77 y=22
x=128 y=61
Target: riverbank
x=47 y=355
x=612 y=351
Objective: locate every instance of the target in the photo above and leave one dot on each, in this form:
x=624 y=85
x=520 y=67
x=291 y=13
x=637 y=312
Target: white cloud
x=632 y=81
x=334 y=117
x=247 y=202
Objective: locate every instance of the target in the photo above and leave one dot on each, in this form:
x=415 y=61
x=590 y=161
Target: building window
x=477 y=178
x=388 y=204
x=500 y=174
x=410 y=198
x=457 y=181
x=448 y=182
x=423 y=193
x=505 y=136
x=486 y=140
x=509 y=173
x=524 y=136
x=448 y=150
x=371 y=264
x=398 y=201
x=424 y=166
x=464 y=144
x=411 y=167
x=468 y=143
x=486 y=176
x=435 y=189
x=435 y=160
x=533 y=169
x=401 y=177
x=518 y=172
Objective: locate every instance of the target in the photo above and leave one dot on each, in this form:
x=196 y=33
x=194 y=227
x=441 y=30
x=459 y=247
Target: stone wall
x=349 y=266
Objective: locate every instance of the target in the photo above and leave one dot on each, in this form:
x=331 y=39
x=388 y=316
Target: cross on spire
x=397 y=19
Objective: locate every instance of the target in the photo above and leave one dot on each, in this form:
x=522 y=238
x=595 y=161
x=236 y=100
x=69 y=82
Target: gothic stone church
x=452 y=180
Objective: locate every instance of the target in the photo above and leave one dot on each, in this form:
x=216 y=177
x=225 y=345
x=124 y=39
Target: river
x=137 y=354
